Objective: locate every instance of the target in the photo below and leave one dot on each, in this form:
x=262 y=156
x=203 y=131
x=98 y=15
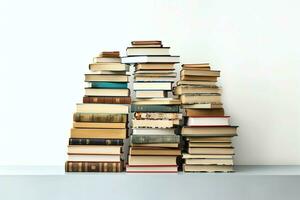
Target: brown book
x=112 y=54
x=108 y=100
x=198 y=65
x=204 y=112
x=100 y=117
x=198 y=78
x=146 y=42
x=153 y=151
x=197 y=69
x=98 y=125
x=200 y=98
x=209 y=131
x=209 y=139
x=183 y=89
x=94 y=166
x=98 y=133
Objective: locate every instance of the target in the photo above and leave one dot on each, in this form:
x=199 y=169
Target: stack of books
x=154 y=143
x=207 y=131
x=100 y=122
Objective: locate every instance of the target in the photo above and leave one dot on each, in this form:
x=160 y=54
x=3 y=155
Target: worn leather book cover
x=110 y=100
x=94 y=166
x=100 y=117
x=94 y=141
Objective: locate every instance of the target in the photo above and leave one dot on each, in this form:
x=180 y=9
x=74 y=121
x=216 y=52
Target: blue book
x=113 y=85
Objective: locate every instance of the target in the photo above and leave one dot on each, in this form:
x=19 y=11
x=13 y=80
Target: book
x=149 y=115
x=111 y=85
x=209 y=144
x=152 y=160
x=208 y=121
x=150 y=59
x=154 y=108
x=94 y=158
x=200 y=98
x=199 y=156
x=152 y=86
x=151 y=94
x=153 y=79
x=199 y=73
x=209 y=131
x=151 y=169
x=106 y=92
x=106 y=78
x=198 y=78
x=196 y=90
x=108 y=67
x=93 y=166
x=98 y=133
x=106 y=60
x=207 y=168
x=98 y=125
x=154 y=151
x=94 y=150
x=197 y=83
x=99 y=117
x=154 y=139
x=204 y=112
x=102 y=108
x=107 y=100
x=144 y=51
x=157 y=101
x=155 y=66
x=146 y=42
x=161 y=145
x=208 y=139
x=210 y=150
x=112 y=54
x=205 y=161
x=203 y=106
x=153 y=131
x=196 y=65
x=94 y=141
x=154 y=123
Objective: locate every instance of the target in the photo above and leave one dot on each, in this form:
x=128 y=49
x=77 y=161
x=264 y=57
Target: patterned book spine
x=94 y=141
x=174 y=116
x=100 y=117
x=94 y=166
x=110 y=100
x=152 y=139
x=154 y=108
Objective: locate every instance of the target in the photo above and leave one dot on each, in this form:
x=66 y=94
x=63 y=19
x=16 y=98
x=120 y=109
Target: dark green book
x=152 y=139
x=154 y=108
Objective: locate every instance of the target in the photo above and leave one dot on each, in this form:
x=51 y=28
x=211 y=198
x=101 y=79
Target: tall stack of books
x=207 y=131
x=100 y=122
x=154 y=143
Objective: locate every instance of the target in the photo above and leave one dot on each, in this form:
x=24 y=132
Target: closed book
x=94 y=166
x=154 y=79
x=205 y=161
x=94 y=150
x=210 y=150
x=106 y=60
x=195 y=65
x=98 y=125
x=207 y=121
x=108 y=67
x=106 y=78
x=150 y=59
x=153 y=131
x=99 y=117
x=94 y=141
x=154 y=108
x=149 y=115
x=146 y=42
x=98 y=133
x=202 y=105
x=197 y=83
x=155 y=66
x=111 y=85
x=153 y=139
x=199 y=156
x=152 y=160
x=107 y=100
x=154 y=151
x=141 y=51
x=94 y=158
x=160 y=123
x=204 y=112
x=199 y=73
x=151 y=94
x=208 y=168
x=200 y=98
x=209 y=144
x=161 y=145
x=102 y=108
x=151 y=169
x=198 y=78
x=196 y=90
x=152 y=86
x=157 y=101
x=209 y=131
x=110 y=54
x=106 y=92
x=208 y=139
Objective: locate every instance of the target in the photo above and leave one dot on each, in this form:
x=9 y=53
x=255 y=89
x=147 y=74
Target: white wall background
x=45 y=47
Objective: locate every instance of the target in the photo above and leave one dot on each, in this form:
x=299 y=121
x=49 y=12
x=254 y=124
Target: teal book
x=154 y=108
x=111 y=85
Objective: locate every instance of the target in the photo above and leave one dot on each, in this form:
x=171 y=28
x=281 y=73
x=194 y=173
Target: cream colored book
x=100 y=92
x=197 y=83
x=196 y=90
x=98 y=133
x=210 y=144
x=148 y=115
x=208 y=168
x=98 y=125
x=208 y=139
x=106 y=77
x=157 y=101
x=193 y=156
x=211 y=150
x=199 y=161
x=108 y=67
x=154 y=123
x=201 y=99
x=200 y=73
x=151 y=94
x=94 y=149
x=94 y=158
x=152 y=160
x=203 y=106
x=152 y=86
x=102 y=108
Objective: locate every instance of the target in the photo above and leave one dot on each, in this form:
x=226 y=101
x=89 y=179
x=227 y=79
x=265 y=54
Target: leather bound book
x=110 y=100
x=154 y=108
x=94 y=141
x=100 y=117
x=94 y=166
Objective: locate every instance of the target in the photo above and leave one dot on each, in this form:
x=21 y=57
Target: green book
x=111 y=85
x=154 y=108
x=152 y=139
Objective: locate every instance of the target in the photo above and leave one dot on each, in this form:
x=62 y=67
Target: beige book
x=208 y=139
x=148 y=115
x=94 y=149
x=167 y=145
x=106 y=77
x=198 y=69
x=98 y=125
x=101 y=59
x=210 y=144
x=196 y=90
x=108 y=67
x=99 y=133
x=152 y=86
x=212 y=131
x=100 y=92
x=201 y=99
x=144 y=169
x=195 y=156
x=157 y=101
x=151 y=94
x=202 y=106
x=154 y=151
x=94 y=158
x=207 y=168
x=213 y=151
x=155 y=66
x=102 y=108
x=144 y=123
x=199 y=161
x=196 y=65
x=199 y=73
x=150 y=79
x=197 y=83
x=152 y=160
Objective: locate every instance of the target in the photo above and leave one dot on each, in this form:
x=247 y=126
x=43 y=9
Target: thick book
x=198 y=78
x=102 y=108
x=151 y=94
x=209 y=139
x=144 y=51
x=98 y=125
x=107 y=100
x=149 y=115
x=94 y=149
x=151 y=169
x=210 y=144
x=199 y=73
x=154 y=79
x=206 y=131
x=155 y=66
x=157 y=101
x=108 y=67
x=94 y=166
x=106 y=78
x=154 y=108
x=211 y=151
x=94 y=158
x=106 y=92
x=205 y=161
x=202 y=106
x=199 y=156
x=207 y=121
x=200 y=98
x=111 y=85
x=99 y=117
x=98 y=133
x=197 y=83
x=160 y=123
x=204 y=112
x=152 y=160
x=150 y=59
x=152 y=86
x=154 y=151
x=146 y=42
x=106 y=60
x=208 y=168
x=179 y=90
x=94 y=141
x=152 y=139
x=153 y=131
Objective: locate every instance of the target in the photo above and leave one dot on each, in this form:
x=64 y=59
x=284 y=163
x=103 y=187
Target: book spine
x=99 y=117
x=149 y=139
x=94 y=141
x=154 y=108
x=109 y=100
x=111 y=85
x=93 y=166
